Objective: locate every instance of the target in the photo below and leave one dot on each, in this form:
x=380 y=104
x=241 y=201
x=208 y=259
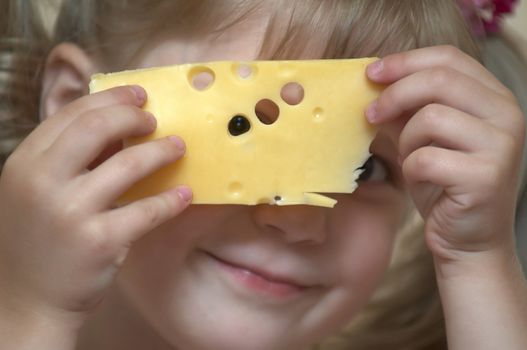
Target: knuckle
x=450 y=53
x=128 y=163
x=160 y=208
x=152 y=211
x=418 y=164
x=83 y=103
x=122 y=94
x=93 y=123
x=97 y=239
x=169 y=149
x=130 y=114
x=71 y=211
x=441 y=77
x=388 y=98
x=431 y=115
x=35 y=189
x=141 y=117
x=422 y=160
x=513 y=125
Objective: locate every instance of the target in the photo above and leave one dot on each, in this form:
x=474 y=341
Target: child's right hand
x=61 y=239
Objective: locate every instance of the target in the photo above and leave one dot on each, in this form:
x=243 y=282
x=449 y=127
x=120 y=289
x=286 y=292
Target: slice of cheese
x=315 y=146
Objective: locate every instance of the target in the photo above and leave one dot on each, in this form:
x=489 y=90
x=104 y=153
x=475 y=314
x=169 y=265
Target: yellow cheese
x=315 y=146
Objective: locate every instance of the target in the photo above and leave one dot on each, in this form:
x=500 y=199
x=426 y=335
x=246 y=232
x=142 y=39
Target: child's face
x=261 y=277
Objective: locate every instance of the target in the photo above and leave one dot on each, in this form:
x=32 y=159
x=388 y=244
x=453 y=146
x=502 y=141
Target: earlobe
x=66 y=77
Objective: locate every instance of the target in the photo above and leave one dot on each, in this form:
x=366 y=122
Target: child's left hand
x=460 y=151
x=460 y=154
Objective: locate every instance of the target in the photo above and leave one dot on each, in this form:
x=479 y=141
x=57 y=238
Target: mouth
x=259 y=281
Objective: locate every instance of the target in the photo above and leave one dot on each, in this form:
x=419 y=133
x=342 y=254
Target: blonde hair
x=406 y=312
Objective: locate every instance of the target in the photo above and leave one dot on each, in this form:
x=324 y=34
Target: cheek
x=367 y=254
x=163 y=252
x=365 y=241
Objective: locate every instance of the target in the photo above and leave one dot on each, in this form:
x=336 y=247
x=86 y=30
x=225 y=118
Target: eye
x=374 y=170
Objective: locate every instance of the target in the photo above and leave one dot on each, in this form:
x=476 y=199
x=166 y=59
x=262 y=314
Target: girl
x=261 y=277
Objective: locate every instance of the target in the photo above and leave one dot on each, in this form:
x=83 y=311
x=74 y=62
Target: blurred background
x=518 y=22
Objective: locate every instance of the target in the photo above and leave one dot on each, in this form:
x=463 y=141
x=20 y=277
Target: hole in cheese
x=292 y=93
x=244 y=71
x=267 y=111
x=318 y=114
x=235 y=189
x=239 y=125
x=201 y=78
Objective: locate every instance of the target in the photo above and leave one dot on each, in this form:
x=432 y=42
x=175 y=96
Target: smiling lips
x=260 y=281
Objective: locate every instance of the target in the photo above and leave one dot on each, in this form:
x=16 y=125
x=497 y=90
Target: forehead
x=264 y=30
x=240 y=42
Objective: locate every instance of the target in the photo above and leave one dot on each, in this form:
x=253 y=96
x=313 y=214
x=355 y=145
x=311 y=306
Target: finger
x=110 y=180
x=44 y=135
x=397 y=66
x=129 y=223
x=439 y=166
x=86 y=137
x=445 y=127
x=442 y=86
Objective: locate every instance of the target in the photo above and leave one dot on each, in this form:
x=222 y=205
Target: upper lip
x=268 y=275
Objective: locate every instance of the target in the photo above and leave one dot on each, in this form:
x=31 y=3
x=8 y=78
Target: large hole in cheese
x=267 y=111
x=201 y=78
x=292 y=93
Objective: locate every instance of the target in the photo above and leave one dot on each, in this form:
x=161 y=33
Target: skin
x=61 y=226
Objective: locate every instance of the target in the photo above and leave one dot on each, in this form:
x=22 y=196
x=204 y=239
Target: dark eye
x=374 y=170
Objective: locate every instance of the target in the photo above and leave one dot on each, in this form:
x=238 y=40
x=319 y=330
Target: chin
x=217 y=334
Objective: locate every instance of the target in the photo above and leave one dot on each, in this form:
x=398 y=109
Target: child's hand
x=460 y=154
x=460 y=151
x=61 y=241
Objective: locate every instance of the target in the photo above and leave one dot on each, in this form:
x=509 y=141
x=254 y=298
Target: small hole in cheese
x=277 y=198
x=244 y=71
x=201 y=78
x=318 y=115
x=292 y=93
x=235 y=189
x=267 y=111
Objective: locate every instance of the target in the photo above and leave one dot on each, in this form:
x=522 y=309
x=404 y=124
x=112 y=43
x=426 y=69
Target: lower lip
x=258 y=283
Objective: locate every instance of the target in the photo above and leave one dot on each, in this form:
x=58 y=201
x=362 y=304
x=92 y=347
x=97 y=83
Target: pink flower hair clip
x=484 y=16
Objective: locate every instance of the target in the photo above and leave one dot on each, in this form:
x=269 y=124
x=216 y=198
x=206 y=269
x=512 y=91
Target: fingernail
x=178 y=141
x=185 y=193
x=140 y=93
x=371 y=112
x=151 y=120
x=375 y=68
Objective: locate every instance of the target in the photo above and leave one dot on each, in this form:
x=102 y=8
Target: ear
x=66 y=77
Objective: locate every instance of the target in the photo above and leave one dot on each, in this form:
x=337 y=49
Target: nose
x=296 y=223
